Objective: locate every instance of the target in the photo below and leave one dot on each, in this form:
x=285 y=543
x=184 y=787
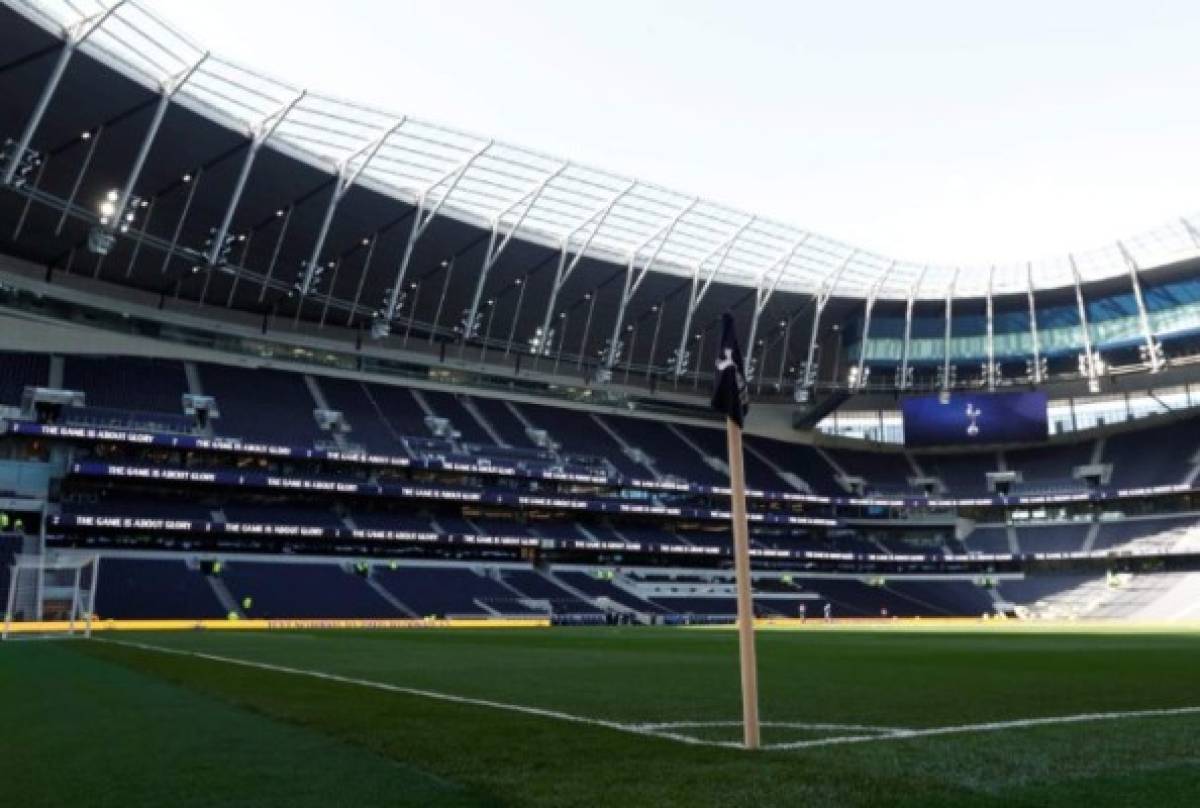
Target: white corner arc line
x=990 y=726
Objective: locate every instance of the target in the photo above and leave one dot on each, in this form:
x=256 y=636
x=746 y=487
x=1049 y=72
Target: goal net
x=51 y=595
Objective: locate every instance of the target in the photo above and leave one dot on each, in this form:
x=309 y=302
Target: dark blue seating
x=303 y=591
x=446 y=591
x=368 y=426
x=579 y=434
x=988 y=540
x=535 y=586
x=1115 y=534
x=21 y=370
x=137 y=589
x=883 y=471
x=801 y=460
x=501 y=419
x=1049 y=467
x=597 y=587
x=128 y=382
x=262 y=405
x=669 y=454
x=1058 y=538
x=448 y=406
x=1175 y=445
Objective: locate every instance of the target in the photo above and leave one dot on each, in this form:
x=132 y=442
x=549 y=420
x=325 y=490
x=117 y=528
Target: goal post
x=52 y=595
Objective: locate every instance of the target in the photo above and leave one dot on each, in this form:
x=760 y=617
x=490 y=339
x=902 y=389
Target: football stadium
x=347 y=458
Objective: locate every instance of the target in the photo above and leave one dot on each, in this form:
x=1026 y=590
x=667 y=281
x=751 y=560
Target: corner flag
x=730 y=395
x=731 y=399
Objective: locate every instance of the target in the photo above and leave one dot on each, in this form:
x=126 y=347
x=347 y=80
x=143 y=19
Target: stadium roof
x=549 y=200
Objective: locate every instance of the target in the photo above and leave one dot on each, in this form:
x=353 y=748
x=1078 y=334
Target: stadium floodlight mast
x=260 y=133
x=596 y=219
x=347 y=174
x=697 y=291
x=635 y=276
x=1152 y=350
x=422 y=218
x=73 y=35
x=762 y=295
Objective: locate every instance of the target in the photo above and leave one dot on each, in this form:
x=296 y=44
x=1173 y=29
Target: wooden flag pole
x=745 y=603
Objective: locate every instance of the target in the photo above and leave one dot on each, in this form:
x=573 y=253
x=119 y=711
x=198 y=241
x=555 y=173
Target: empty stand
x=128 y=382
x=262 y=404
x=137 y=589
x=303 y=591
x=21 y=370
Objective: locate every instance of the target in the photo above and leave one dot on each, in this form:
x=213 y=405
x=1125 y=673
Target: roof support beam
x=494 y=250
x=362 y=276
x=283 y=229
x=763 y=291
x=261 y=133
x=904 y=382
x=868 y=308
x=1191 y=231
x=421 y=221
x=437 y=312
x=819 y=302
x=183 y=214
x=597 y=217
x=523 y=282
x=1090 y=363
x=94 y=141
x=587 y=327
x=1153 y=350
x=73 y=37
x=697 y=292
x=347 y=175
x=949 y=311
x=141 y=237
x=169 y=89
x=634 y=278
x=1033 y=326
x=989 y=368
x=657 y=308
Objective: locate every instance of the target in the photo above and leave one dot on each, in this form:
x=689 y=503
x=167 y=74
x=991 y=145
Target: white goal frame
x=66 y=582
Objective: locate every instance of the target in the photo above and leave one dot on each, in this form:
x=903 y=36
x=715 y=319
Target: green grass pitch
x=601 y=717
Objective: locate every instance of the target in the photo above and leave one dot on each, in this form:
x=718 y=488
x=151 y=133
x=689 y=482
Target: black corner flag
x=730 y=396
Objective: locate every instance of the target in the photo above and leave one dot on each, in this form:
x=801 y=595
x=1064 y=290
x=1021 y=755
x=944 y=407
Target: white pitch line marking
x=991 y=726
x=656 y=730
x=540 y=712
x=771 y=724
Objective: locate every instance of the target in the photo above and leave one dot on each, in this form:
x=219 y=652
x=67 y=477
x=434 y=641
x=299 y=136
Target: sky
x=944 y=132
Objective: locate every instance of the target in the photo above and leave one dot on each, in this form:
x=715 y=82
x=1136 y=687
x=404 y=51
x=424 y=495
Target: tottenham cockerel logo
x=973 y=414
x=726 y=362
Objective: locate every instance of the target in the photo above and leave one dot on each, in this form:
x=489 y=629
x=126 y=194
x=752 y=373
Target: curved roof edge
x=549 y=200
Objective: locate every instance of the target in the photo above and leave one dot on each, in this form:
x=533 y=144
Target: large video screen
x=980 y=418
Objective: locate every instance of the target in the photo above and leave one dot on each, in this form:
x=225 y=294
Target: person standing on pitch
x=828 y=612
